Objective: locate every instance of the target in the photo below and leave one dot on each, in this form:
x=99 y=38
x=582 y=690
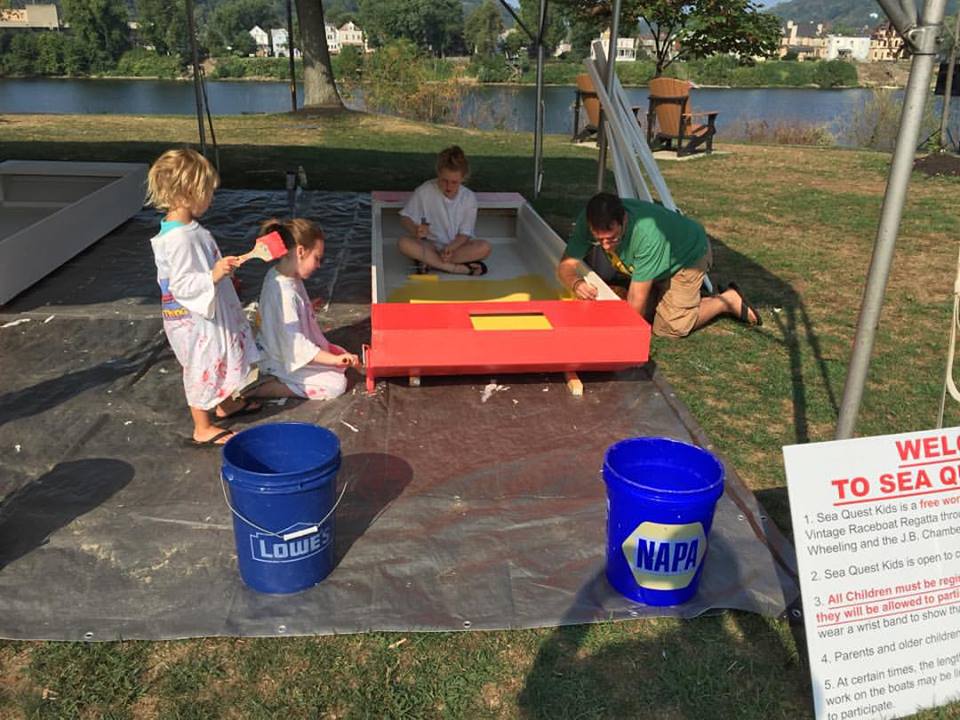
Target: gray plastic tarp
x=462 y=511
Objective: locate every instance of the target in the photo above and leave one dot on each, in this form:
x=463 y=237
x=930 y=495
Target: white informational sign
x=876 y=522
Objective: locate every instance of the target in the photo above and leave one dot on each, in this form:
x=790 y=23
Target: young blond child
x=202 y=315
x=440 y=217
x=295 y=350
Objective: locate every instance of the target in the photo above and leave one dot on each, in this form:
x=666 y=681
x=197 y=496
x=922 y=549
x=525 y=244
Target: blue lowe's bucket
x=661 y=495
x=282 y=480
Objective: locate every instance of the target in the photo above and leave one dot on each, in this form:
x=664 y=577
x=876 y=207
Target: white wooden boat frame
x=444 y=338
x=50 y=211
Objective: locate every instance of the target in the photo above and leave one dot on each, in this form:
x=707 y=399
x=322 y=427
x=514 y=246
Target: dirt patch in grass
x=14 y=683
x=938 y=164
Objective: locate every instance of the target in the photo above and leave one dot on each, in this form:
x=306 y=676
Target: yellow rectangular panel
x=511 y=321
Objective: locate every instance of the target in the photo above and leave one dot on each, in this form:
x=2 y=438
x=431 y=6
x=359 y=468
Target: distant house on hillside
x=350 y=34
x=333 y=39
x=36 y=17
x=886 y=44
x=626 y=47
x=272 y=43
x=843 y=47
x=806 y=41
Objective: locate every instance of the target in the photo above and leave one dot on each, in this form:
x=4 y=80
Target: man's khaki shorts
x=679 y=305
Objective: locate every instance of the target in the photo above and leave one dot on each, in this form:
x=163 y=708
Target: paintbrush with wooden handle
x=267 y=247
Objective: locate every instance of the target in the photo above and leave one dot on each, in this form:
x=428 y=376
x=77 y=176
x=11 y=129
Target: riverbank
x=794 y=226
x=711 y=72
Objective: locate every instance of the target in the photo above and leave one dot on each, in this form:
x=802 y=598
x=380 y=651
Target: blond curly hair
x=181 y=176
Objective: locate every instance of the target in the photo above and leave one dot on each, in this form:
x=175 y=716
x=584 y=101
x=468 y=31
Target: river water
x=483 y=107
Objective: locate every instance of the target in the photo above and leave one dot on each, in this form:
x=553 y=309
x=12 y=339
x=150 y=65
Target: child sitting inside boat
x=439 y=220
x=295 y=351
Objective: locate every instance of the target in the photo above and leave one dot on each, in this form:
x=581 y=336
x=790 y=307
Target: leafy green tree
x=834 y=73
x=243 y=44
x=482 y=29
x=233 y=17
x=163 y=25
x=339 y=12
x=514 y=42
x=99 y=29
x=398 y=82
x=49 y=57
x=75 y=59
x=492 y=68
x=583 y=29
x=685 y=29
x=435 y=25
x=556 y=29
x=393 y=74
x=350 y=62
x=18 y=59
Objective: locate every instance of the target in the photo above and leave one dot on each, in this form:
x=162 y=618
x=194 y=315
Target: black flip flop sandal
x=476 y=268
x=211 y=442
x=746 y=308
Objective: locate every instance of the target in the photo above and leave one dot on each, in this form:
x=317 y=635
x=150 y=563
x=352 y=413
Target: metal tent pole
x=290 y=46
x=198 y=90
x=538 y=125
x=925 y=40
x=611 y=70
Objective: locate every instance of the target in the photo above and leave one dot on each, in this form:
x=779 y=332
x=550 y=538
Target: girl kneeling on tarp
x=295 y=350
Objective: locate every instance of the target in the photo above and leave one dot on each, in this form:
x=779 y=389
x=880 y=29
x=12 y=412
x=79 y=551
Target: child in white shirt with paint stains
x=202 y=316
x=304 y=363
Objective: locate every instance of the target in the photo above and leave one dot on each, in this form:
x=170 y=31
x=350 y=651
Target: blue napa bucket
x=661 y=495
x=282 y=479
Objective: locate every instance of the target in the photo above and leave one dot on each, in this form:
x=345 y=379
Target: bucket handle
x=286 y=537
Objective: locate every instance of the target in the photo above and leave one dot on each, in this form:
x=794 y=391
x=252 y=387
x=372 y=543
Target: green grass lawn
x=794 y=226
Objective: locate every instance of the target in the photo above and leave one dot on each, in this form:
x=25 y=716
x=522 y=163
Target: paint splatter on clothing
x=203 y=321
x=291 y=338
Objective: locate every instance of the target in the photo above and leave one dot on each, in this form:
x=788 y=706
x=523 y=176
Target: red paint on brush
x=267 y=247
x=274 y=244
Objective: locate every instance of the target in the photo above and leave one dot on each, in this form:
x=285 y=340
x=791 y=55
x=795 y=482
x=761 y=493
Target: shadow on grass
x=719 y=665
x=344 y=169
x=30 y=515
x=767 y=291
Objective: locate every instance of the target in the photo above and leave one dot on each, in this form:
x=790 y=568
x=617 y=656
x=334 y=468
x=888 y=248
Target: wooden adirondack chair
x=670 y=118
x=586 y=97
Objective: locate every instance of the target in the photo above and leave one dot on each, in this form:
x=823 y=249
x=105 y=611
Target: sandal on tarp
x=476 y=268
x=211 y=442
x=745 y=307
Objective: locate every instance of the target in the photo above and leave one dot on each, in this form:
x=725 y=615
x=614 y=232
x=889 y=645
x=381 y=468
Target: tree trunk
x=319 y=89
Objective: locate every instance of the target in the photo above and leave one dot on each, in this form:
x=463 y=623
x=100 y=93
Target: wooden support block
x=574 y=385
x=414 y=381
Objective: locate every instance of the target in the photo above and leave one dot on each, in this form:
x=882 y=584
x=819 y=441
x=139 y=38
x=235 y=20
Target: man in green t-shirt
x=665 y=256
